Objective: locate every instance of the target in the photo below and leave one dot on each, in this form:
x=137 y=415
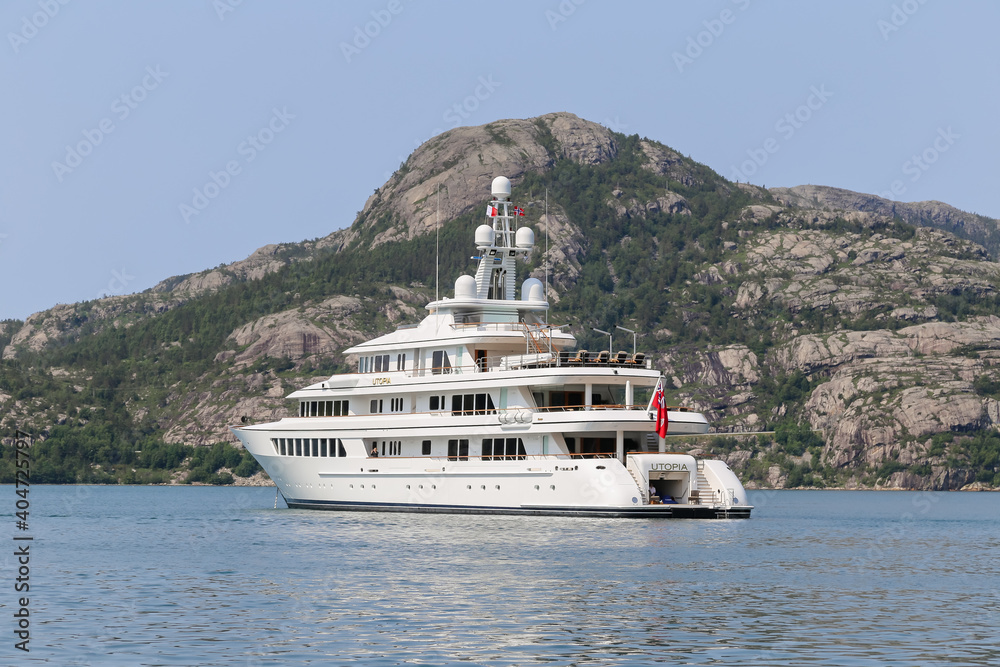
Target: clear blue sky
x=115 y=112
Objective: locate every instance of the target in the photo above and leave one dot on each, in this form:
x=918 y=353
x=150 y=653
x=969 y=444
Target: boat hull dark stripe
x=639 y=512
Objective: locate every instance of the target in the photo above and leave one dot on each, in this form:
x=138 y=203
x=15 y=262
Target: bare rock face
x=937 y=214
x=458 y=167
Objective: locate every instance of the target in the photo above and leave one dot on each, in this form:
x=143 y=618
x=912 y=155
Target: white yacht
x=482 y=407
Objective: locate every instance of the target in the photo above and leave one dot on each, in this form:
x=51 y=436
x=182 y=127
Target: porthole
x=468 y=486
x=434 y=486
x=498 y=487
x=483 y=487
x=536 y=487
x=553 y=487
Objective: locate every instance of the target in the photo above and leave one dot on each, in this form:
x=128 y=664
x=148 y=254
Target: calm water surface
x=216 y=576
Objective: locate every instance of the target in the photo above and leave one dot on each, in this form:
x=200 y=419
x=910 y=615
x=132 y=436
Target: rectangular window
x=322 y=447
x=378 y=364
x=315 y=443
x=425 y=448
x=298 y=446
x=456 y=404
x=463 y=450
x=283 y=453
x=401 y=362
x=453 y=450
x=302 y=409
x=312 y=408
x=440 y=362
x=376 y=406
x=434 y=403
x=487 y=449
x=340 y=448
x=481 y=404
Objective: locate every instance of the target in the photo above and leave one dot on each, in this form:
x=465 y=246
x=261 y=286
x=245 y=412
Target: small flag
x=491 y=210
x=518 y=210
x=662 y=423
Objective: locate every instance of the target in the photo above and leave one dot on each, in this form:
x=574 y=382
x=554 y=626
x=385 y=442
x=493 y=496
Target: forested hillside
x=866 y=343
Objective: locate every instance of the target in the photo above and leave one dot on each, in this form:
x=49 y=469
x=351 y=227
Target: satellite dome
x=501 y=187
x=484 y=235
x=465 y=287
x=532 y=290
x=525 y=237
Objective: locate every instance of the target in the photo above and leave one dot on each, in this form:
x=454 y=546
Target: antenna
x=547 y=255
x=437 y=246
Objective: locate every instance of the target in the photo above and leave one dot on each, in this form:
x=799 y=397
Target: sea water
x=217 y=576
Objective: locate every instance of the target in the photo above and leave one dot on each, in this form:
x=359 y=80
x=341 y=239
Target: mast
x=501 y=244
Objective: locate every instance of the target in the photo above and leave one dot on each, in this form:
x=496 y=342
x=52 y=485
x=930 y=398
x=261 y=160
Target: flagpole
x=547 y=258
x=437 y=246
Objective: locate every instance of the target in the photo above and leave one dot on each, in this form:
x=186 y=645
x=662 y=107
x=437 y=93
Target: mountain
x=862 y=332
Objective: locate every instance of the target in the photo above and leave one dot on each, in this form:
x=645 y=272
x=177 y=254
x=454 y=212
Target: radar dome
x=532 y=290
x=465 y=287
x=484 y=235
x=525 y=237
x=501 y=187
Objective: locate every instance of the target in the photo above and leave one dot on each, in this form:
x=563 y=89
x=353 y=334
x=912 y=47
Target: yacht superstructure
x=484 y=407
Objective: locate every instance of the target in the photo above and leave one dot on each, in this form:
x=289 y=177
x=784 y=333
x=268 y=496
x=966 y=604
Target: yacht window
x=315 y=442
x=340 y=448
x=282 y=442
x=322 y=447
x=302 y=409
x=458 y=450
x=274 y=443
x=401 y=362
x=440 y=362
x=435 y=403
x=312 y=408
x=425 y=448
x=468 y=404
x=341 y=408
x=487 y=449
x=376 y=406
x=298 y=446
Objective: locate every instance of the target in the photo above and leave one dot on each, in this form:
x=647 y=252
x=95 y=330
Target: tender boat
x=484 y=407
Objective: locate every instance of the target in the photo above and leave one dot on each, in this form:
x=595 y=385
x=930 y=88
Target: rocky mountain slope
x=863 y=332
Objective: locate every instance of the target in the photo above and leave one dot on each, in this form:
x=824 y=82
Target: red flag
x=491 y=210
x=518 y=210
x=661 y=412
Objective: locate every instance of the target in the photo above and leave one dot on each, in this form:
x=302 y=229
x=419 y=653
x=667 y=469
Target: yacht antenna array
x=547 y=256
